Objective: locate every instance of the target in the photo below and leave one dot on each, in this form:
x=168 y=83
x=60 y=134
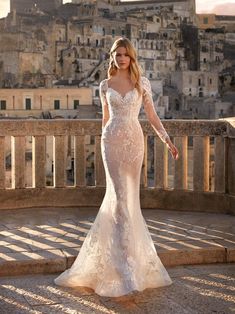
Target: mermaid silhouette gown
x=118 y=255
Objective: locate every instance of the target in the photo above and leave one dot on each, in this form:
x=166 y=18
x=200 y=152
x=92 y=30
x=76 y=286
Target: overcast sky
x=206 y=6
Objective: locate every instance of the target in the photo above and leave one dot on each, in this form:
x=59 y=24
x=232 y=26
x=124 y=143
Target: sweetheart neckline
x=123 y=97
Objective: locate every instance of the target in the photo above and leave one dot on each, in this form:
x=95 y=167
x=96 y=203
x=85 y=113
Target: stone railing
x=186 y=184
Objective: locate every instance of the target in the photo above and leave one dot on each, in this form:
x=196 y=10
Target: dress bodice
x=122 y=107
x=126 y=108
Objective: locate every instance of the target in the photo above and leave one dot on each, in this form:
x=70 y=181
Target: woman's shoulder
x=104 y=84
x=145 y=82
x=144 y=79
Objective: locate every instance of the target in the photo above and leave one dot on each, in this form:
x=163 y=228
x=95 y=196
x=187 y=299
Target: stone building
x=29 y=6
x=45 y=102
x=205 y=21
x=73 y=46
x=212 y=49
x=69 y=48
x=196 y=83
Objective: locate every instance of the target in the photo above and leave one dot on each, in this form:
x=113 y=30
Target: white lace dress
x=118 y=255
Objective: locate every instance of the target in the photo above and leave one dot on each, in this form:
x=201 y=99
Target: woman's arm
x=154 y=119
x=105 y=109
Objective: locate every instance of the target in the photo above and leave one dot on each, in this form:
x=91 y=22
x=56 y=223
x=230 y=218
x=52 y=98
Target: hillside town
x=53 y=57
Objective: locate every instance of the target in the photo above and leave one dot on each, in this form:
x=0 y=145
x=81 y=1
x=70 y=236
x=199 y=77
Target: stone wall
x=200 y=195
x=27 y=6
x=196 y=83
x=43 y=99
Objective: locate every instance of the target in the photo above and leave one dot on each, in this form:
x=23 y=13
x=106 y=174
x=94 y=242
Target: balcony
x=189 y=184
x=189 y=210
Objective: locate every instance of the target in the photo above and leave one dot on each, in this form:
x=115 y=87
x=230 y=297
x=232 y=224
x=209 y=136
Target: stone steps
x=35 y=241
x=53 y=261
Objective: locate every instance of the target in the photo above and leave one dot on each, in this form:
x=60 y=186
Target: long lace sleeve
x=150 y=110
x=104 y=103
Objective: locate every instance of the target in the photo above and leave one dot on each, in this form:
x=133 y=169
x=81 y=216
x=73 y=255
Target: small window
x=28 y=103
x=97 y=94
x=205 y=20
x=3 y=104
x=123 y=32
x=56 y=104
x=199 y=82
x=210 y=81
x=113 y=32
x=75 y=103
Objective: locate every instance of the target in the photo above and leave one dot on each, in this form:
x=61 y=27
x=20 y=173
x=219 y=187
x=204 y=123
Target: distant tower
x=25 y=6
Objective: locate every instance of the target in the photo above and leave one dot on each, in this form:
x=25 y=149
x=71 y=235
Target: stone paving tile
x=192 y=237
x=202 y=289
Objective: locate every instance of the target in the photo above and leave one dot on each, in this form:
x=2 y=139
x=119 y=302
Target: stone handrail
x=200 y=197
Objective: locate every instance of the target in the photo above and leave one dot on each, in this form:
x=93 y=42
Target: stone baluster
x=181 y=165
x=201 y=154
x=144 y=170
x=99 y=167
x=80 y=160
x=2 y=162
x=220 y=164
x=39 y=161
x=59 y=161
x=18 y=162
x=231 y=166
x=160 y=164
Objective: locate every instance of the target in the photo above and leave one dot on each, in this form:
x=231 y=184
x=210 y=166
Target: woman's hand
x=173 y=150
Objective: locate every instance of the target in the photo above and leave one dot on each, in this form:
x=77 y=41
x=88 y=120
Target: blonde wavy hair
x=135 y=70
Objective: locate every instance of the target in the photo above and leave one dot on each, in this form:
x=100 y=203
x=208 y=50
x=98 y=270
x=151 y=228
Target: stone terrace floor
x=203 y=289
x=37 y=244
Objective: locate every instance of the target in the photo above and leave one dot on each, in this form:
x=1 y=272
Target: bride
x=118 y=255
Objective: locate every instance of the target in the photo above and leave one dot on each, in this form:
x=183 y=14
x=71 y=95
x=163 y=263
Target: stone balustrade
x=198 y=137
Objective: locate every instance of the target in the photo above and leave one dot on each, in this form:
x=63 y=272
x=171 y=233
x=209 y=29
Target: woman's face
x=121 y=58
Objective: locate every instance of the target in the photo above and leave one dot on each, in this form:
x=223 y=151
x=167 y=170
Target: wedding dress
x=118 y=255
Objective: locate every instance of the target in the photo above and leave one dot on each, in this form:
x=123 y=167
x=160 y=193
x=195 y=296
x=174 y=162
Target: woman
x=118 y=255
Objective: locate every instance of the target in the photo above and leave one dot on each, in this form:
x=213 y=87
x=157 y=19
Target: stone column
x=160 y=164
x=2 y=162
x=99 y=167
x=80 y=160
x=181 y=165
x=59 y=160
x=231 y=166
x=18 y=162
x=39 y=161
x=201 y=152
